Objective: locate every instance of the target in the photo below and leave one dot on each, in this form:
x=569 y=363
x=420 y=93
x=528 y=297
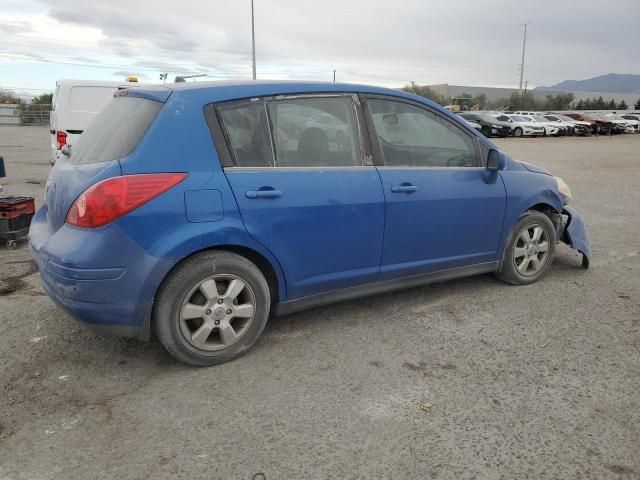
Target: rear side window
x=248 y=131
x=293 y=132
x=116 y=130
x=315 y=132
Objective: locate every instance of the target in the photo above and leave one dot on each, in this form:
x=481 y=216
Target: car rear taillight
x=61 y=138
x=110 y=199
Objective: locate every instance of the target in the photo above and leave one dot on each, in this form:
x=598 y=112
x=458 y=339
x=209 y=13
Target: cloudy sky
x=382 y=42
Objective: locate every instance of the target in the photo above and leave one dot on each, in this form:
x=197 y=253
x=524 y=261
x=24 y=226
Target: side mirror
x=495 y=161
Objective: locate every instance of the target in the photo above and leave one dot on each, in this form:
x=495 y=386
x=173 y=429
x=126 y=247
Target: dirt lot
x=525 y=382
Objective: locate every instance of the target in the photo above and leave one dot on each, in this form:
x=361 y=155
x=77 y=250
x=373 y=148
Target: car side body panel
x=108 y=277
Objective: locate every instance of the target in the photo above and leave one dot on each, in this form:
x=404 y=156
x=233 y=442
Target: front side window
x=414 y=137
x=315 y=132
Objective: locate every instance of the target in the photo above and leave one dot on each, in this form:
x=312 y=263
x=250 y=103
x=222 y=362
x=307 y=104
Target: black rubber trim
x=374 y=142
x=75 y=132
x=385 y=286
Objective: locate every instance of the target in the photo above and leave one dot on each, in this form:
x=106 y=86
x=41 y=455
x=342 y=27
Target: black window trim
x=227 y=156
x=378 y=157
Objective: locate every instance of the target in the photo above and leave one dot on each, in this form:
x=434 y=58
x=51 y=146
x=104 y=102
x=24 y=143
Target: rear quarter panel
x=179 y=141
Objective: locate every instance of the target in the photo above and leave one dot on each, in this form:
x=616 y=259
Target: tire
x=517 y=132
x=518 y=253
x=222 y=296
x=486 y=131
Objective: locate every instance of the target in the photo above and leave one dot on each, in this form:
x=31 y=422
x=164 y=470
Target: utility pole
x=334 y=75
x=253 y=41
x=524 y=44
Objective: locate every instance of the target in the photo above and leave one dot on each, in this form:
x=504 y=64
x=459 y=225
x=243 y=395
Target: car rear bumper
x=100 y=277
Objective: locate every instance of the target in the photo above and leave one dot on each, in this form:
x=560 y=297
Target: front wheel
x=517 y=132
x=530 y=251
x=211 y=308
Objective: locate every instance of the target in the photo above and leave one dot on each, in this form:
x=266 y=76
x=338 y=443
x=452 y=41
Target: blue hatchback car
x=197 y=210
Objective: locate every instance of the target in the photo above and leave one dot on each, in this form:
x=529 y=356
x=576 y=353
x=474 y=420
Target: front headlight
x=563 y=188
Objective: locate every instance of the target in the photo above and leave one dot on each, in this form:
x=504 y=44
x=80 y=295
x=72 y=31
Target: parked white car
x=574 y=127
x=556 y=120
x=550 y=128
x=634 y=120
x=631 y=126
x=523 y=125
x=75 y=104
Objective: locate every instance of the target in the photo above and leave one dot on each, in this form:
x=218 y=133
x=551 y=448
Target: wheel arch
x=549 y=210
x=268 y=266
x=538 y=206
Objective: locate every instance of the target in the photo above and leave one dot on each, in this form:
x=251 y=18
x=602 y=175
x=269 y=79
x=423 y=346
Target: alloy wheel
x=531 y=250
x=217 y=312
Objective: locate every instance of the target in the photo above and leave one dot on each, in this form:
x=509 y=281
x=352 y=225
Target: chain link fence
x=24 y=114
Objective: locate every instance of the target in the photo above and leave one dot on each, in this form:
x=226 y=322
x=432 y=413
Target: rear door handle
x=263 y=193
x=404 y=188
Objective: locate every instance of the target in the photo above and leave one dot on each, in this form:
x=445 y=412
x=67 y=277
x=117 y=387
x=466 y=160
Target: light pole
x=524 y=44
x=253 y=42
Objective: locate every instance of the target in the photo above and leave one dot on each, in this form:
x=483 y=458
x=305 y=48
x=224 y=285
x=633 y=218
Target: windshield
x=504 y=118
x=517 y=118
x=566 y=119
x=552 y=118
x=538 y=118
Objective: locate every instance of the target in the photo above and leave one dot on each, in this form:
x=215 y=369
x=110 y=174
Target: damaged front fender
x=575 y=235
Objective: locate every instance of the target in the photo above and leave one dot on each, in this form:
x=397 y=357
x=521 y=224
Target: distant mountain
x=610 y=83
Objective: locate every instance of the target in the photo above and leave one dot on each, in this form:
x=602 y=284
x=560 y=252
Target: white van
x=75 y=103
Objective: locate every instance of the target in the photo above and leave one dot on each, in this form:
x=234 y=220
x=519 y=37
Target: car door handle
x=404 y=188
x=263 y=193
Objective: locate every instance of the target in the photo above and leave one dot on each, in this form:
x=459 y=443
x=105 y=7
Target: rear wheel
x=517 y=132
x=212 y=308
x=530 y=250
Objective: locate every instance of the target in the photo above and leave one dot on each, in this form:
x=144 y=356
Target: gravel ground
x=525 y=382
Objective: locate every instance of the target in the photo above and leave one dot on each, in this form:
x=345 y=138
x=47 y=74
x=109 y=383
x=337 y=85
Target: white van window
x=54 y=100
x=84 y=103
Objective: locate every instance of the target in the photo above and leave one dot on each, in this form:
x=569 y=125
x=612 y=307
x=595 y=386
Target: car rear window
x=116 y=130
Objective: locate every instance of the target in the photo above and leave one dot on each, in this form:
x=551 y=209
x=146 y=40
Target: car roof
x=217 y=91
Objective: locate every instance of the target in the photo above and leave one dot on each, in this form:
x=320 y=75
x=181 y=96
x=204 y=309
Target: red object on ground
x=14 y=207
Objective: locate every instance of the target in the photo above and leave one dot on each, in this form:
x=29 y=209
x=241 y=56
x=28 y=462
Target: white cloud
x=389 y=43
